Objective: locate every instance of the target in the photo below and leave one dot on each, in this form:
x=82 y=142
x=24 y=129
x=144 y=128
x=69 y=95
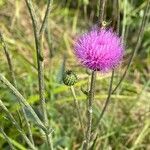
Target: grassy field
x=126 y=121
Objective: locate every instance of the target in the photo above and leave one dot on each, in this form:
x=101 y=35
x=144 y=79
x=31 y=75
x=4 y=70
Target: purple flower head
x=99 y=49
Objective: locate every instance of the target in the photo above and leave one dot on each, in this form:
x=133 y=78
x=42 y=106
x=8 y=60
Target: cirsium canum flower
x=99 y=49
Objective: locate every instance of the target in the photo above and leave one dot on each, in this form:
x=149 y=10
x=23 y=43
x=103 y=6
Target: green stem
x=38 y=33
x=102 y=4
x=7 y=139
x=77 y=107
x=48 y=37
x=45 y=20
x=9 y=61
x=107 y=100
x=28 y=126
x=12 y=119
x=117 y=17
x=49 y=141
x=40 y=60
x=124 y=19
x=10 y=64
x=90 y=111
x=22 y=100
x=139 y=40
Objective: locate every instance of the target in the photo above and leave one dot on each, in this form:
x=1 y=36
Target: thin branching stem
x=40 y=60
x=33 y=17
x=22 y=101
x=7 y=139
x=49 y=141
x=118 y=16
x=104 y=108
x=124 y=19
x=77 y=107
x=10 y=64
x=48 y=37
x=12 y=119
x=138 y=43
x=38 y=33
x=41 y=63
x=107 y=100
x=45 y=20
x=9 y=61
x=28 y=126
x=90 y=111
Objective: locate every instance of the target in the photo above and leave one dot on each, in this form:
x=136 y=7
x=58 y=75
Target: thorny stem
x=12 y=119
x=38 y=32
x=77 y=107
x=10 y=64
x=101 y=18
x=116 y=2
x=7 y=139
x=90 y=111
x=86 y=145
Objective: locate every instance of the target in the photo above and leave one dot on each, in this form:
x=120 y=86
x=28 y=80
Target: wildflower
x=99 y=49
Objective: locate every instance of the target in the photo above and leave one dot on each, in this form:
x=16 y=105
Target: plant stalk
x=107 y=100
x=12 y=119
x=22 y=100
x=7 y=139
x=10 y=65
x=90 y=111
x=38 y=33
x=9 y=61
x=138 y=43
x=77 y=107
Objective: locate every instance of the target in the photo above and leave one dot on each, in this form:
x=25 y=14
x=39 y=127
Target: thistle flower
x=99 y=49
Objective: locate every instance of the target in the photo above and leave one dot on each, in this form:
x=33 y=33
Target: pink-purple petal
x=99 y=49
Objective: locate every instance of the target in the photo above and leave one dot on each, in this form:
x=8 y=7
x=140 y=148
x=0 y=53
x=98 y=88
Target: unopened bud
x=69 y=78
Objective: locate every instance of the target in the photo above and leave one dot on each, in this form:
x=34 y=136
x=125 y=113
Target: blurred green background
x=126 y=124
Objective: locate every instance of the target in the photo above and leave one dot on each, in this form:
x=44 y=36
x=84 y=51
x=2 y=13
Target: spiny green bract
x=69 y=78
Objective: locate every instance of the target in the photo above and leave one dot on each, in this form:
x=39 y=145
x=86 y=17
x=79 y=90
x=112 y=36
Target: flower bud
x=69 y=78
